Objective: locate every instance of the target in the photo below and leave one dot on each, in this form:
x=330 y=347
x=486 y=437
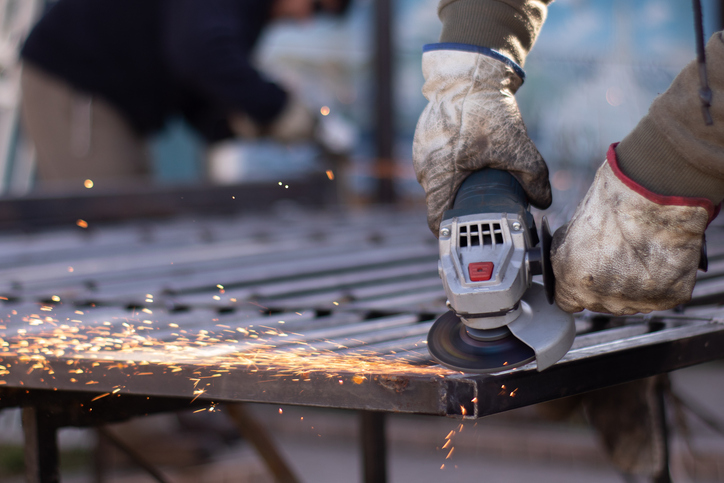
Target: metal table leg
x=41 y=447
x=665 y=476
x=374 y=447
x=253 y=432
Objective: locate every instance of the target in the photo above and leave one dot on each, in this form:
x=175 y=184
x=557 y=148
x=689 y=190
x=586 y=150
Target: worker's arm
x=633 y=244
x=209 y=44
x=472 y=120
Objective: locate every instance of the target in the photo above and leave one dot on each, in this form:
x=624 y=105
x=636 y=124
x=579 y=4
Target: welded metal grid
x=320 y=309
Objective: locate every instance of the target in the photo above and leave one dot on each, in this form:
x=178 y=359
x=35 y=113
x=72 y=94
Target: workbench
x=324 y=308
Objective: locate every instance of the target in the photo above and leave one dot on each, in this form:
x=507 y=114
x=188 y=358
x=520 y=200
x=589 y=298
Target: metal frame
x=360 y=292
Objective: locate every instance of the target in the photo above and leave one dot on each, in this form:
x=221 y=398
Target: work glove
x=472 y=122
x=295 y=123
x=628 y=250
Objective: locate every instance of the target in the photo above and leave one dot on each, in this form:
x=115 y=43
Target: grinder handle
x=496 y=191
x=490 y=191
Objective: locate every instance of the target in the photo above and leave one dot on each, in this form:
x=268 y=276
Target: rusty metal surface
x=319 y=309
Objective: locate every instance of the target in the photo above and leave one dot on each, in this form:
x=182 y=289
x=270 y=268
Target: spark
x=280 y=411
x=82 y=223
x=55 y=298
x=129 y=344
x=330 y=174
x=88 y=183
x=325 y=111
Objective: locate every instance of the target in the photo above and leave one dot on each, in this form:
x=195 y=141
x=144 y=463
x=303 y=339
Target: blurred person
x=101 y=76
x=634 y=242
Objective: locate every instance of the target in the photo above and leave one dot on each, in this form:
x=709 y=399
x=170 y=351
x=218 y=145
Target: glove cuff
x=493 y=54
x=707 y=204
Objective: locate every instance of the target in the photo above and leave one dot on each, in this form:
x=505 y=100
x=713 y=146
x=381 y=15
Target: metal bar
x=41 y=447
x=154 y=201
x=600 y=366
x=384 y=102
x=665 y=476
x=374 y=446
x=137 y=459
x=253 y=432
x=100 y=458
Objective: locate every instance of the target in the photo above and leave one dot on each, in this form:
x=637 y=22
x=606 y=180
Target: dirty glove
x=294 y=124
x=626 y=249
x=472 y=122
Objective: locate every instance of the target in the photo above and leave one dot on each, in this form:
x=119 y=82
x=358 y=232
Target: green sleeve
x=508 y=26
x=672 y=151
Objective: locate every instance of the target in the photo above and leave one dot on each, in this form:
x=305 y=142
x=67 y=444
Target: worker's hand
x=472 y=122
x=628 y=250
x=294 y=124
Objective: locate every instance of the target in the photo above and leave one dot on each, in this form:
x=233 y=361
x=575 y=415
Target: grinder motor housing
x=486 y=262
x=500 y=318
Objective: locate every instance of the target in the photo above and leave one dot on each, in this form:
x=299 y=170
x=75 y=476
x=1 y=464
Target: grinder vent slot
x=480 y=234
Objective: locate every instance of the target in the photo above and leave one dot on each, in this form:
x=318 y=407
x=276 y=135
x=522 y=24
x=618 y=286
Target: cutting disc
x=456 y=346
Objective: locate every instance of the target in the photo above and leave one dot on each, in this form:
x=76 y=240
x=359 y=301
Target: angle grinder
x=500 y=318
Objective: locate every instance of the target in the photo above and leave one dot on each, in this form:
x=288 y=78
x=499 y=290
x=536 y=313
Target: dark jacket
x=156 y=58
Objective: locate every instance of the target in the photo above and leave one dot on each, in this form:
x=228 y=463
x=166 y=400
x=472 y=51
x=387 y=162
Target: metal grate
x=324 y=309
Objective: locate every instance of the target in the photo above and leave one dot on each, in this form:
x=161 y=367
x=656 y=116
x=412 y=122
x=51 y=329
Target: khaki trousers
x=78 y=136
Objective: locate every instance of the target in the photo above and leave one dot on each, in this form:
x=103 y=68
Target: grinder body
x=500 y=318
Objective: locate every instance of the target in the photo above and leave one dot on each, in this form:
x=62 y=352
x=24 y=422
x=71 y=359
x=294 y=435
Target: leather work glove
x=472 y=122
x=294 y=124
x=628 y=250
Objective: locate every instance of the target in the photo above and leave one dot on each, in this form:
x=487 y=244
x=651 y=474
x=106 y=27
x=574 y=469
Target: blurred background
x=591 y=76
x=594 y=71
